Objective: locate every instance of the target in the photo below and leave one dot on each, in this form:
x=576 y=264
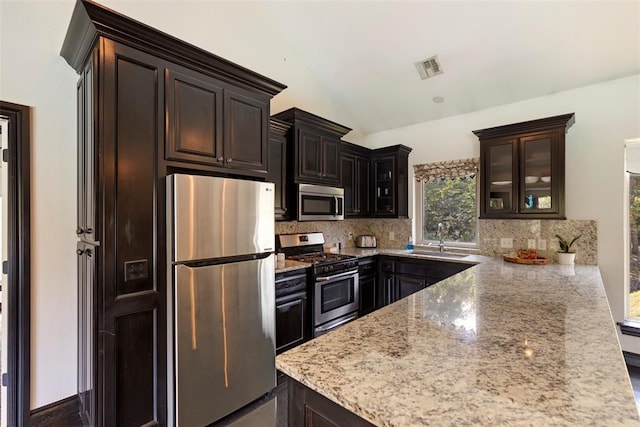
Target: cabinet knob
x=229 y=160
x=220 y=159
x=79 y=231
x=89 y=230
x=79 y=251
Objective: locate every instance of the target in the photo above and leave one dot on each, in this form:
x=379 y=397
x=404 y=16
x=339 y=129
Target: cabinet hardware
x=220 y=159
x=79 y=251
x=229 y=160
x=79 y=231
x=89 y=230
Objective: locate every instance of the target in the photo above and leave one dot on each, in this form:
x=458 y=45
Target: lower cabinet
x=292 y=311
x=406 y=285
x=403 y=277
x=368 y=285
x=311 y=409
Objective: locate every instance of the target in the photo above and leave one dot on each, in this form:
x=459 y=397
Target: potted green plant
x=565 y=254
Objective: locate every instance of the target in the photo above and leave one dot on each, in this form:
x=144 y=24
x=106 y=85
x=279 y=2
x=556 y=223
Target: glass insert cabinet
x=522 y=169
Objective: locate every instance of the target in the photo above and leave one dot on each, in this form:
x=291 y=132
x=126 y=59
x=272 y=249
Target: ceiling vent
x=428 y=68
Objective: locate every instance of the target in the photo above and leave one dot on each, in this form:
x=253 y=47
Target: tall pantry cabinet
x=148 y=105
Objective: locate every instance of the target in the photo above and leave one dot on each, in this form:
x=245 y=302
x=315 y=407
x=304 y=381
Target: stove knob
x=325 y=269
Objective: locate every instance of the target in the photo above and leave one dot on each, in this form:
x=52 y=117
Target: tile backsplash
x=490 y=231
x=338 y=231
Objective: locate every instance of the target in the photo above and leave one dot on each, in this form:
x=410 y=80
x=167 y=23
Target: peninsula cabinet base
x=308 y=408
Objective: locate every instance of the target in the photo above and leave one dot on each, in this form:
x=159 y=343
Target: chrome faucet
x=441 y=234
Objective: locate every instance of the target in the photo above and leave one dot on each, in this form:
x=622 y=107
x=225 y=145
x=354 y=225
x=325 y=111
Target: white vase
x=566 y=258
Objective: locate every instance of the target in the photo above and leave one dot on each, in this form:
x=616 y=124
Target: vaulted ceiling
x=491 y=52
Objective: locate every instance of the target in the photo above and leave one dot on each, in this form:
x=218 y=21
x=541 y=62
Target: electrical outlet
x=531 y=244
x=506 y=242
x=350 y=236
x=542 y=244
x=134 y=270
x=392 y=235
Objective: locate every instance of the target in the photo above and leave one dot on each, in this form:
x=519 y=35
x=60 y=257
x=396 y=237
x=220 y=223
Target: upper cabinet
x=355 y=172
x=522 y=170
x=213 y=123
x=390 y=172
x=314 y=147
x=278 y=166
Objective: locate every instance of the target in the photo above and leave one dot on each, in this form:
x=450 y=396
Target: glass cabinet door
x=501 y=171
x=536 y=179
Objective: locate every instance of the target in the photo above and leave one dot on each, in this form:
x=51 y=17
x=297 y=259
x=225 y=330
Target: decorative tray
x=529 y=256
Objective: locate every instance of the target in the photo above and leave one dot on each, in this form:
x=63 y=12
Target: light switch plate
x=542 y=244
x=531 y=244
x=506 y=242
x=392 y=235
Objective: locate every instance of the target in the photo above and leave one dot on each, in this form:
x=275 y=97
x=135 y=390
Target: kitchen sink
x=438 y=254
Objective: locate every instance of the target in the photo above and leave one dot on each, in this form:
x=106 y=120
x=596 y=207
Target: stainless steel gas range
x=335 y=279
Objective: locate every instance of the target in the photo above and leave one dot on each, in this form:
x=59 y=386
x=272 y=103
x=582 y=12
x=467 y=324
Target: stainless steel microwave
x=320 y=203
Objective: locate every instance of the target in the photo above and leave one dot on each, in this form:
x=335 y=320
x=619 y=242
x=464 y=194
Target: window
x=632 y=167
x=446 y=193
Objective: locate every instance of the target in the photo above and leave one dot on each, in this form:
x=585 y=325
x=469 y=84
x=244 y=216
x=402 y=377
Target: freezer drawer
x=224 y=336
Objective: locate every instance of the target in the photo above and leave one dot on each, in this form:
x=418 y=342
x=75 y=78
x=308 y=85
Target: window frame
x=419 y=214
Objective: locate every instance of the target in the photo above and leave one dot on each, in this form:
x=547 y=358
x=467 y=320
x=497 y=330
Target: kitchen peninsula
x=496 y=344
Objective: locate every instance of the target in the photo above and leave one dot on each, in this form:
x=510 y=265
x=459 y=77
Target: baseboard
x=61 y=413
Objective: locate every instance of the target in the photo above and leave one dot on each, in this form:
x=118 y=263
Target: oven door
x=335 y=296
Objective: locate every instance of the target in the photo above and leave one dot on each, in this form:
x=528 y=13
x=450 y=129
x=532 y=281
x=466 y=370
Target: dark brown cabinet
x=390 y=170
x=138 y=89
x=314 y=147
x=522 y=172
x=292 y=310
x=368 y=285
x=402 y=277
x=405 y=285
x=212 y=123
x=277 y=166
x=355 y=179
x=87 y=298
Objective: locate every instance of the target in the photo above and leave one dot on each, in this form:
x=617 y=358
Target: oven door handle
x=337 y=276
x=335 y=325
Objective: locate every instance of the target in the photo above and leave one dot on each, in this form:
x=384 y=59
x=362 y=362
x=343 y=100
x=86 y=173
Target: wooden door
x=330 y=160
x=245 y=131
x=309 y=155
x=132 y=321
x=194 y=107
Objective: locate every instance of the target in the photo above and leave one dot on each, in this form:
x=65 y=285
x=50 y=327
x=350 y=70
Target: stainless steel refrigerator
x=221 y=311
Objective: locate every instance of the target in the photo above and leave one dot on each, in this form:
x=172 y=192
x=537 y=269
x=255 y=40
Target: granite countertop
x=497 y=344
x=291 y=265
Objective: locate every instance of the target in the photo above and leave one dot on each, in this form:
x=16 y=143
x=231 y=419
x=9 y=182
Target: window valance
x=447 y=169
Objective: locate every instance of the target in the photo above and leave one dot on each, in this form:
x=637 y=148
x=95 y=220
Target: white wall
x=606 y=115
x=33 y=73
